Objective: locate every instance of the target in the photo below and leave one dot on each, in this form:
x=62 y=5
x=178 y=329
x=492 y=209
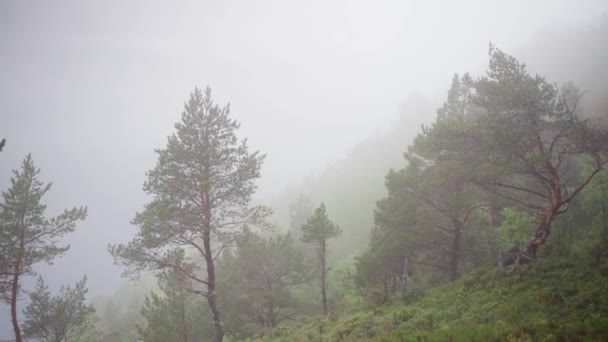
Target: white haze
x=90 y=88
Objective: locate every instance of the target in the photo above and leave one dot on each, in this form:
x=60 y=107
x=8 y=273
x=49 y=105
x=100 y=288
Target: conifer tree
x=26 y=235
x=175 y=314
x=531 y=139
x=319 y=229
x=65 y=317
x=201 y=188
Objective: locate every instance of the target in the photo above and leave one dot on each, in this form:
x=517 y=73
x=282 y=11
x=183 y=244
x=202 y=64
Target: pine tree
x=26 y=235
x=259 y=275
x=65 y=317
x=319 y=229
x=439 y=176
x=201 y=187
x=531 y=140
x=175 y=314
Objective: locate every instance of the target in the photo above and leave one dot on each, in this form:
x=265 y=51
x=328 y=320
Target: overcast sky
x=90 y=88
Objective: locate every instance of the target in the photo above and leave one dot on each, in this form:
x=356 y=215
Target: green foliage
x=203 y=182
x=257 y=278
x=318 y=228
x=120 y=314
x=62 y=318
x=174 y=314
x=343 y=288
x=559 y=299
x=531 y=138
x=27 y=236
x=201 y=189
x=505 y=139
x=514 y=229
x=592 y=241
x=382 y=262
x=430 y=212
x=204 y=171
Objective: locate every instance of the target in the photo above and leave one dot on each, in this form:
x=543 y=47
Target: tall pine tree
x=201 y=187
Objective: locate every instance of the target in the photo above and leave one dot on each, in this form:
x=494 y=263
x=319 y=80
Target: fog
x=92 y=88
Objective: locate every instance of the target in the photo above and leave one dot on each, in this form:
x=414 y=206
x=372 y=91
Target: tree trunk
x=14 y=293
x=455 y=251
x=540 y=235
x=183 y=314
x=403 y=279
x=323 y=274
x=385 y=282
x=216 y=317
x=271 y=314
x=17 y=269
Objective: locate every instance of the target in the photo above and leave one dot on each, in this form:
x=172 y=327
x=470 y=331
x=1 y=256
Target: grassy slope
x=556 y=299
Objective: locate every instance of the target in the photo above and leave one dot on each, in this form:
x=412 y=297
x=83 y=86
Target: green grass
x=548 y=300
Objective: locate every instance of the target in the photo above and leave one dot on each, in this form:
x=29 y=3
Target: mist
x=90 y=89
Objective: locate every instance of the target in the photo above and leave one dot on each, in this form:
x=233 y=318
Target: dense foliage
x=63 y=318
x=257 y=278
x=173 y=313
x=486 y=305
x=505 y=151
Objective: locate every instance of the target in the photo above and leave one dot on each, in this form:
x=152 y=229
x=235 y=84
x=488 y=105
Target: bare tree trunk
x=385 y=282
x=183 y=314
x=216 y=317
x=14 y=292
x=540 y=235
x=271 y=314
x=455 y=251
x=403 y=279
x=17 y=271
x=604 y=211
x=543 y=228
x=323 y=275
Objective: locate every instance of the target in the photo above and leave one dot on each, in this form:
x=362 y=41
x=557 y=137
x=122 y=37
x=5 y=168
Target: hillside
x=352 y=185
x=559 y=299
